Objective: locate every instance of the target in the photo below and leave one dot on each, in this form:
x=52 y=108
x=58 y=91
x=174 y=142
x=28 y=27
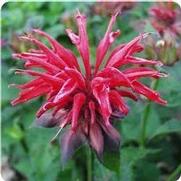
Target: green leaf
x=172 y=126
x=102 y=173
x=111 y=160
x=131 y=155
x=129 y=158
x=15 y=132
x=130 y=126
x=146 y=171
x=171 y=93
x=153 y=121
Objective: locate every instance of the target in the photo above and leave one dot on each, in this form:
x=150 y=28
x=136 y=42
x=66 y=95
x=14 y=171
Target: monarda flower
x=85 y=103
x=165 y=18
x=105 y=8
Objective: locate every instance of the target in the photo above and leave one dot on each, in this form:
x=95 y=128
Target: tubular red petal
x=52 y=80
x=49 y=104
x=28 y=94
x=36 y=55
x=79 y=100
x=117 y=78
x=39 y=62
x=105 y=43
x=121 y=55
x=117 y=100
x=64 y=53
x=137 y=60
x=92 y=111
x=125 y=93
x=149 y=93
x=137 y=48
x=68 y=87
x=63 y=75
x=73 y=37
x=81 y=41
x=30 y=84
x=77 y=76
x=100 y=92
x=52 y=57
x=139 y=72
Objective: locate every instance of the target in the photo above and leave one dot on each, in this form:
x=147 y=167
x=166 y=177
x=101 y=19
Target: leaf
x=129 y=158
x=153 y=121
x=130 y=126
x=145 y=170
x=15 y=131
x=131 y=155
x=172 y=126
x=111 y=160
x=111 y=154
x=171 y=93
x=102 y=173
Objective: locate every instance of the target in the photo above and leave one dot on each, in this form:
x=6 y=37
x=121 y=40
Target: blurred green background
x=26 y=151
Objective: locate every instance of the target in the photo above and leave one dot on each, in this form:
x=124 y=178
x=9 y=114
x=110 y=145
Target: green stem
x=144 y=123
x=176 y=173
x=146 y=114
x=89 y=165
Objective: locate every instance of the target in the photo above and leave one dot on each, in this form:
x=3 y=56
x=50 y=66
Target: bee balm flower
x=86 y=102
x=165 y=18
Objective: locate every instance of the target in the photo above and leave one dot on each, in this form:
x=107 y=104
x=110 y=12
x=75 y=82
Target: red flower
x=88 y=103
x=165 y=18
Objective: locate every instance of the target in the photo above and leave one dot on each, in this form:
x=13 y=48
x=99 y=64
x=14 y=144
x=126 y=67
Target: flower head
x=106 y=8
x=165 y=18
x=87 y=102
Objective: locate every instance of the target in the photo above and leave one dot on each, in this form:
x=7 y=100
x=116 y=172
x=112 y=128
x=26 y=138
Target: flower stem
x=89 y=165
x=146 y=114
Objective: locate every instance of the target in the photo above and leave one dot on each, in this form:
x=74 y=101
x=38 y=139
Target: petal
x=137 y=60
x=92 y=111
x=28 y=94
x=96 y=138
x=48 y=120
x=120 y=56
x=68 y=87
x=117 y=78
x=139 y=72
x=52 y=57
x=77 y=76
x=79 y=100
x=149 y=93
x=61 y=103
x=137 y=48
x=64 y=53
x=70 y=142
x=81 y=41
x=105 y=43
x=100 y=92
x=125 y=93
x=118 y=101
x=112 y=137
x=52 y=80
x=117 y=114
x=29 y=84
x=39 y=62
